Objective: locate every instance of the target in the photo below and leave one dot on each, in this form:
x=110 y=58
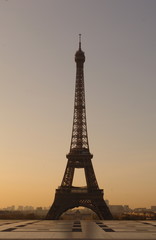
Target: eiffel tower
x=68 y=196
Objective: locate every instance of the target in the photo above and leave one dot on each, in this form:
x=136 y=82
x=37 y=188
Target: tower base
x=66 y=198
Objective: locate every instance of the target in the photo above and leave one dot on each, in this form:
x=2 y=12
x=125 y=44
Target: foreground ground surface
x=59 y=229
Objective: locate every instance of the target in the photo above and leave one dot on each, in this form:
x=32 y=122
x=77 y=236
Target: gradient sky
x=38 y=40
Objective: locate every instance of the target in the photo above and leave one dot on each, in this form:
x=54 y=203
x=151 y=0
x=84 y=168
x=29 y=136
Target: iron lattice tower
x=68 y=196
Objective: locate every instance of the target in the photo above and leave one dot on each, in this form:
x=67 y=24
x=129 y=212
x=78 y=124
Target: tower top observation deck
x=79 y=55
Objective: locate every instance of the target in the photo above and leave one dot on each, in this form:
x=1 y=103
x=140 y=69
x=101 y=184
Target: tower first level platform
x=78 y=196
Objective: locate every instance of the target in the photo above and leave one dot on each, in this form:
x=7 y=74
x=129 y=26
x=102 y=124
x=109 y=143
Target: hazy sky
x=38 y=40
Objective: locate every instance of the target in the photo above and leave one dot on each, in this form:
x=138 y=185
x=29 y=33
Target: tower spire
x=79 y=41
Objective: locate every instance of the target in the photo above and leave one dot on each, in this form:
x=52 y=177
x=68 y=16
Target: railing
x=78 y=190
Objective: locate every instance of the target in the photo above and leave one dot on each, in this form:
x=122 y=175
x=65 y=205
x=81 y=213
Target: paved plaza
x=42 y=229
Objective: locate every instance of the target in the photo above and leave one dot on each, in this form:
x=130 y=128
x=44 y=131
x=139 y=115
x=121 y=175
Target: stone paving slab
x=63 y=230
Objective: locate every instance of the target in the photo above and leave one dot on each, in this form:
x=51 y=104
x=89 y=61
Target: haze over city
x=38 y=42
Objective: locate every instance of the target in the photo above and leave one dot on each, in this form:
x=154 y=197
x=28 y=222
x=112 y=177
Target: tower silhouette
x=68 y=196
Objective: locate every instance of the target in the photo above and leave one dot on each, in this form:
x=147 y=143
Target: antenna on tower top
x=79 y=41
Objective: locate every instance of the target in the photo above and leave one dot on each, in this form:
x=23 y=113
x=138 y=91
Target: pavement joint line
x=8 y=230
x=76 y=226
x=105 y=227
x=8 y=223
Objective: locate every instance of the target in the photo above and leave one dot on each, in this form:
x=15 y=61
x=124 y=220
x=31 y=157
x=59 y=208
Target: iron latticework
x=79 y=138
x=68 y=196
